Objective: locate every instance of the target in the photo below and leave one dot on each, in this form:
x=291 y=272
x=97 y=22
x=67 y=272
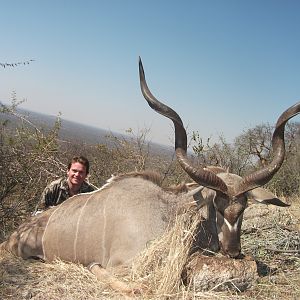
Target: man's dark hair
x=82 y=160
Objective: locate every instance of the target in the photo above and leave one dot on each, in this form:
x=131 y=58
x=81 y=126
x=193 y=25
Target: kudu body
x=112 y=225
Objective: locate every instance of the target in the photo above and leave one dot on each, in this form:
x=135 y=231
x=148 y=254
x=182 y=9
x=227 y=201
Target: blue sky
x=224 y=66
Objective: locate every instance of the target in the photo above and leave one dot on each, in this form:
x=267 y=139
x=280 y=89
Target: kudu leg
x=106 y=277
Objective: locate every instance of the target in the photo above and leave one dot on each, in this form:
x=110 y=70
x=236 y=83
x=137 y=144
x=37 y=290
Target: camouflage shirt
x=58 y=191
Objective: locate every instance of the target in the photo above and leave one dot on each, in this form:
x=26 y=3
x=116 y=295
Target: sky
x=224 y=66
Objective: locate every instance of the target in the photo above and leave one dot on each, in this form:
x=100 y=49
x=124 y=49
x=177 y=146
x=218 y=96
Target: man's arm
x=49 y=197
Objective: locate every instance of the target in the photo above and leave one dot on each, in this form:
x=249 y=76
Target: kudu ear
x=202 y=195
x=263 y=196
x=197 y=195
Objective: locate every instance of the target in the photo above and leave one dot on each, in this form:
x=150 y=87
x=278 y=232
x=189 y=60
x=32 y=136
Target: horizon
x=95 y=135
x=224 y=67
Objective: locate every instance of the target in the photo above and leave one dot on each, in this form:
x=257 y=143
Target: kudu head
x=228 y=193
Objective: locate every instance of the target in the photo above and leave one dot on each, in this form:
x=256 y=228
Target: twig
x=283 y=251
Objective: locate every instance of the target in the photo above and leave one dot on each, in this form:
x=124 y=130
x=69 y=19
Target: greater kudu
x=111 y=226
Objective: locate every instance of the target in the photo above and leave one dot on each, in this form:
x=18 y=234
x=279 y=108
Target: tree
x=28 y=158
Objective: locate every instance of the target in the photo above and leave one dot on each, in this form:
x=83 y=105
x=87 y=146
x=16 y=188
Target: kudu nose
x=233 y=253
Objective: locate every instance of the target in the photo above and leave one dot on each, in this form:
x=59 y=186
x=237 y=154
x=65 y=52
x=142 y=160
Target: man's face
x=76 y=174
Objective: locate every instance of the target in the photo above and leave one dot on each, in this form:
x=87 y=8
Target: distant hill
x=73 y=131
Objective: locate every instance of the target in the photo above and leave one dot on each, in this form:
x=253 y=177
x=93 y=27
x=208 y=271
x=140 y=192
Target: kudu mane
x=151 y=176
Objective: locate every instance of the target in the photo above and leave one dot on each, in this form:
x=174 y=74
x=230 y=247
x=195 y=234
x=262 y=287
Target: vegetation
x=31 y=156
x=250 y=151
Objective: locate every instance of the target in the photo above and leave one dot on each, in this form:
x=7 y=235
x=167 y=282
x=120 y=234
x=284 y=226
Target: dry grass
x=270 y=235
x=273 y=238
x=160 y=266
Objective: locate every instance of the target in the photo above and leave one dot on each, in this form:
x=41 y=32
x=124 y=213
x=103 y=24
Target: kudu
x=111 y=226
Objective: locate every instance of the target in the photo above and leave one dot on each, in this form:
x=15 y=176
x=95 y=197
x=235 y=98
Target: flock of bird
x=4 y=65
